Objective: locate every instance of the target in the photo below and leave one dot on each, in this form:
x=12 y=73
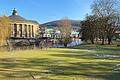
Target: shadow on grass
x=14 y=68
x=23 y=68
x=97 y=47
x=114 y=49
x=84 y=46
x=87 y=55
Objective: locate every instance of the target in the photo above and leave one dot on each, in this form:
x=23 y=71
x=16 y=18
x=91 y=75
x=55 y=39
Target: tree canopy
x=5 y=30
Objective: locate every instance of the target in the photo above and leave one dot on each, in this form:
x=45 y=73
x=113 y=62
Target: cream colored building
x=22 y=28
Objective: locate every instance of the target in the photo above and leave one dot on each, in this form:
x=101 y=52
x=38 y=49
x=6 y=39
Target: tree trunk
x=9 y=45
x=65 y=45
x=109 y=40
x=96 y=39
x=92 y=41
x=103 y=40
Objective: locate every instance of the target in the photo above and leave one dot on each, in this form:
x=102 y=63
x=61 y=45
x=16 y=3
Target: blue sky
x=47 y=10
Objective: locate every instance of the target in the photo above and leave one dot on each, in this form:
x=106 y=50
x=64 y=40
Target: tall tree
x=5 y=30
x=89 y=29
x=65 y=29
x=108 y=14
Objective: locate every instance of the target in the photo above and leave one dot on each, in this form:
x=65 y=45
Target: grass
x=77 y=63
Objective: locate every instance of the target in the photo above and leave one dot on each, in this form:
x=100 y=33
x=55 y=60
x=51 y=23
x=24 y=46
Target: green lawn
x=85 y=62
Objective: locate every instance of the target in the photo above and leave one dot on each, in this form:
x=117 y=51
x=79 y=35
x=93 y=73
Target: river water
x=74 y=42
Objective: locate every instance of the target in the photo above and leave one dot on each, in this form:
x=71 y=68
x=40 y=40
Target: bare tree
x=5 y=30
x=65 y=29
x=89 y=28
x=108 y=14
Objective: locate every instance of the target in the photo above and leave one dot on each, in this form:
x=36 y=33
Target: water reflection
x=73 y=43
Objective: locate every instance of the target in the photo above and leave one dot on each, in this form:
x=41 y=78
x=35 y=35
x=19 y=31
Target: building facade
x=22 y=28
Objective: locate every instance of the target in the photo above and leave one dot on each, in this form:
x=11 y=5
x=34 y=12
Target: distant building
x=54 y=33
x=51 y=33
x=23 y=28
x=51 y=29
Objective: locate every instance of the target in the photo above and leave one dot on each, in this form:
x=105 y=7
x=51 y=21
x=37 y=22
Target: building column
x=12 y=30
x=32 y=31
x=27 y=31
x=15 y=30
x=23 y=30
x=18 y=30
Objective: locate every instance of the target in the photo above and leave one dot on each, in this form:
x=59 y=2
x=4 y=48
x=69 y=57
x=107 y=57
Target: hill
x=52 y=24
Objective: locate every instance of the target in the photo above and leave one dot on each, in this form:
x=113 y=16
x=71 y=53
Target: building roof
x=16 y=18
